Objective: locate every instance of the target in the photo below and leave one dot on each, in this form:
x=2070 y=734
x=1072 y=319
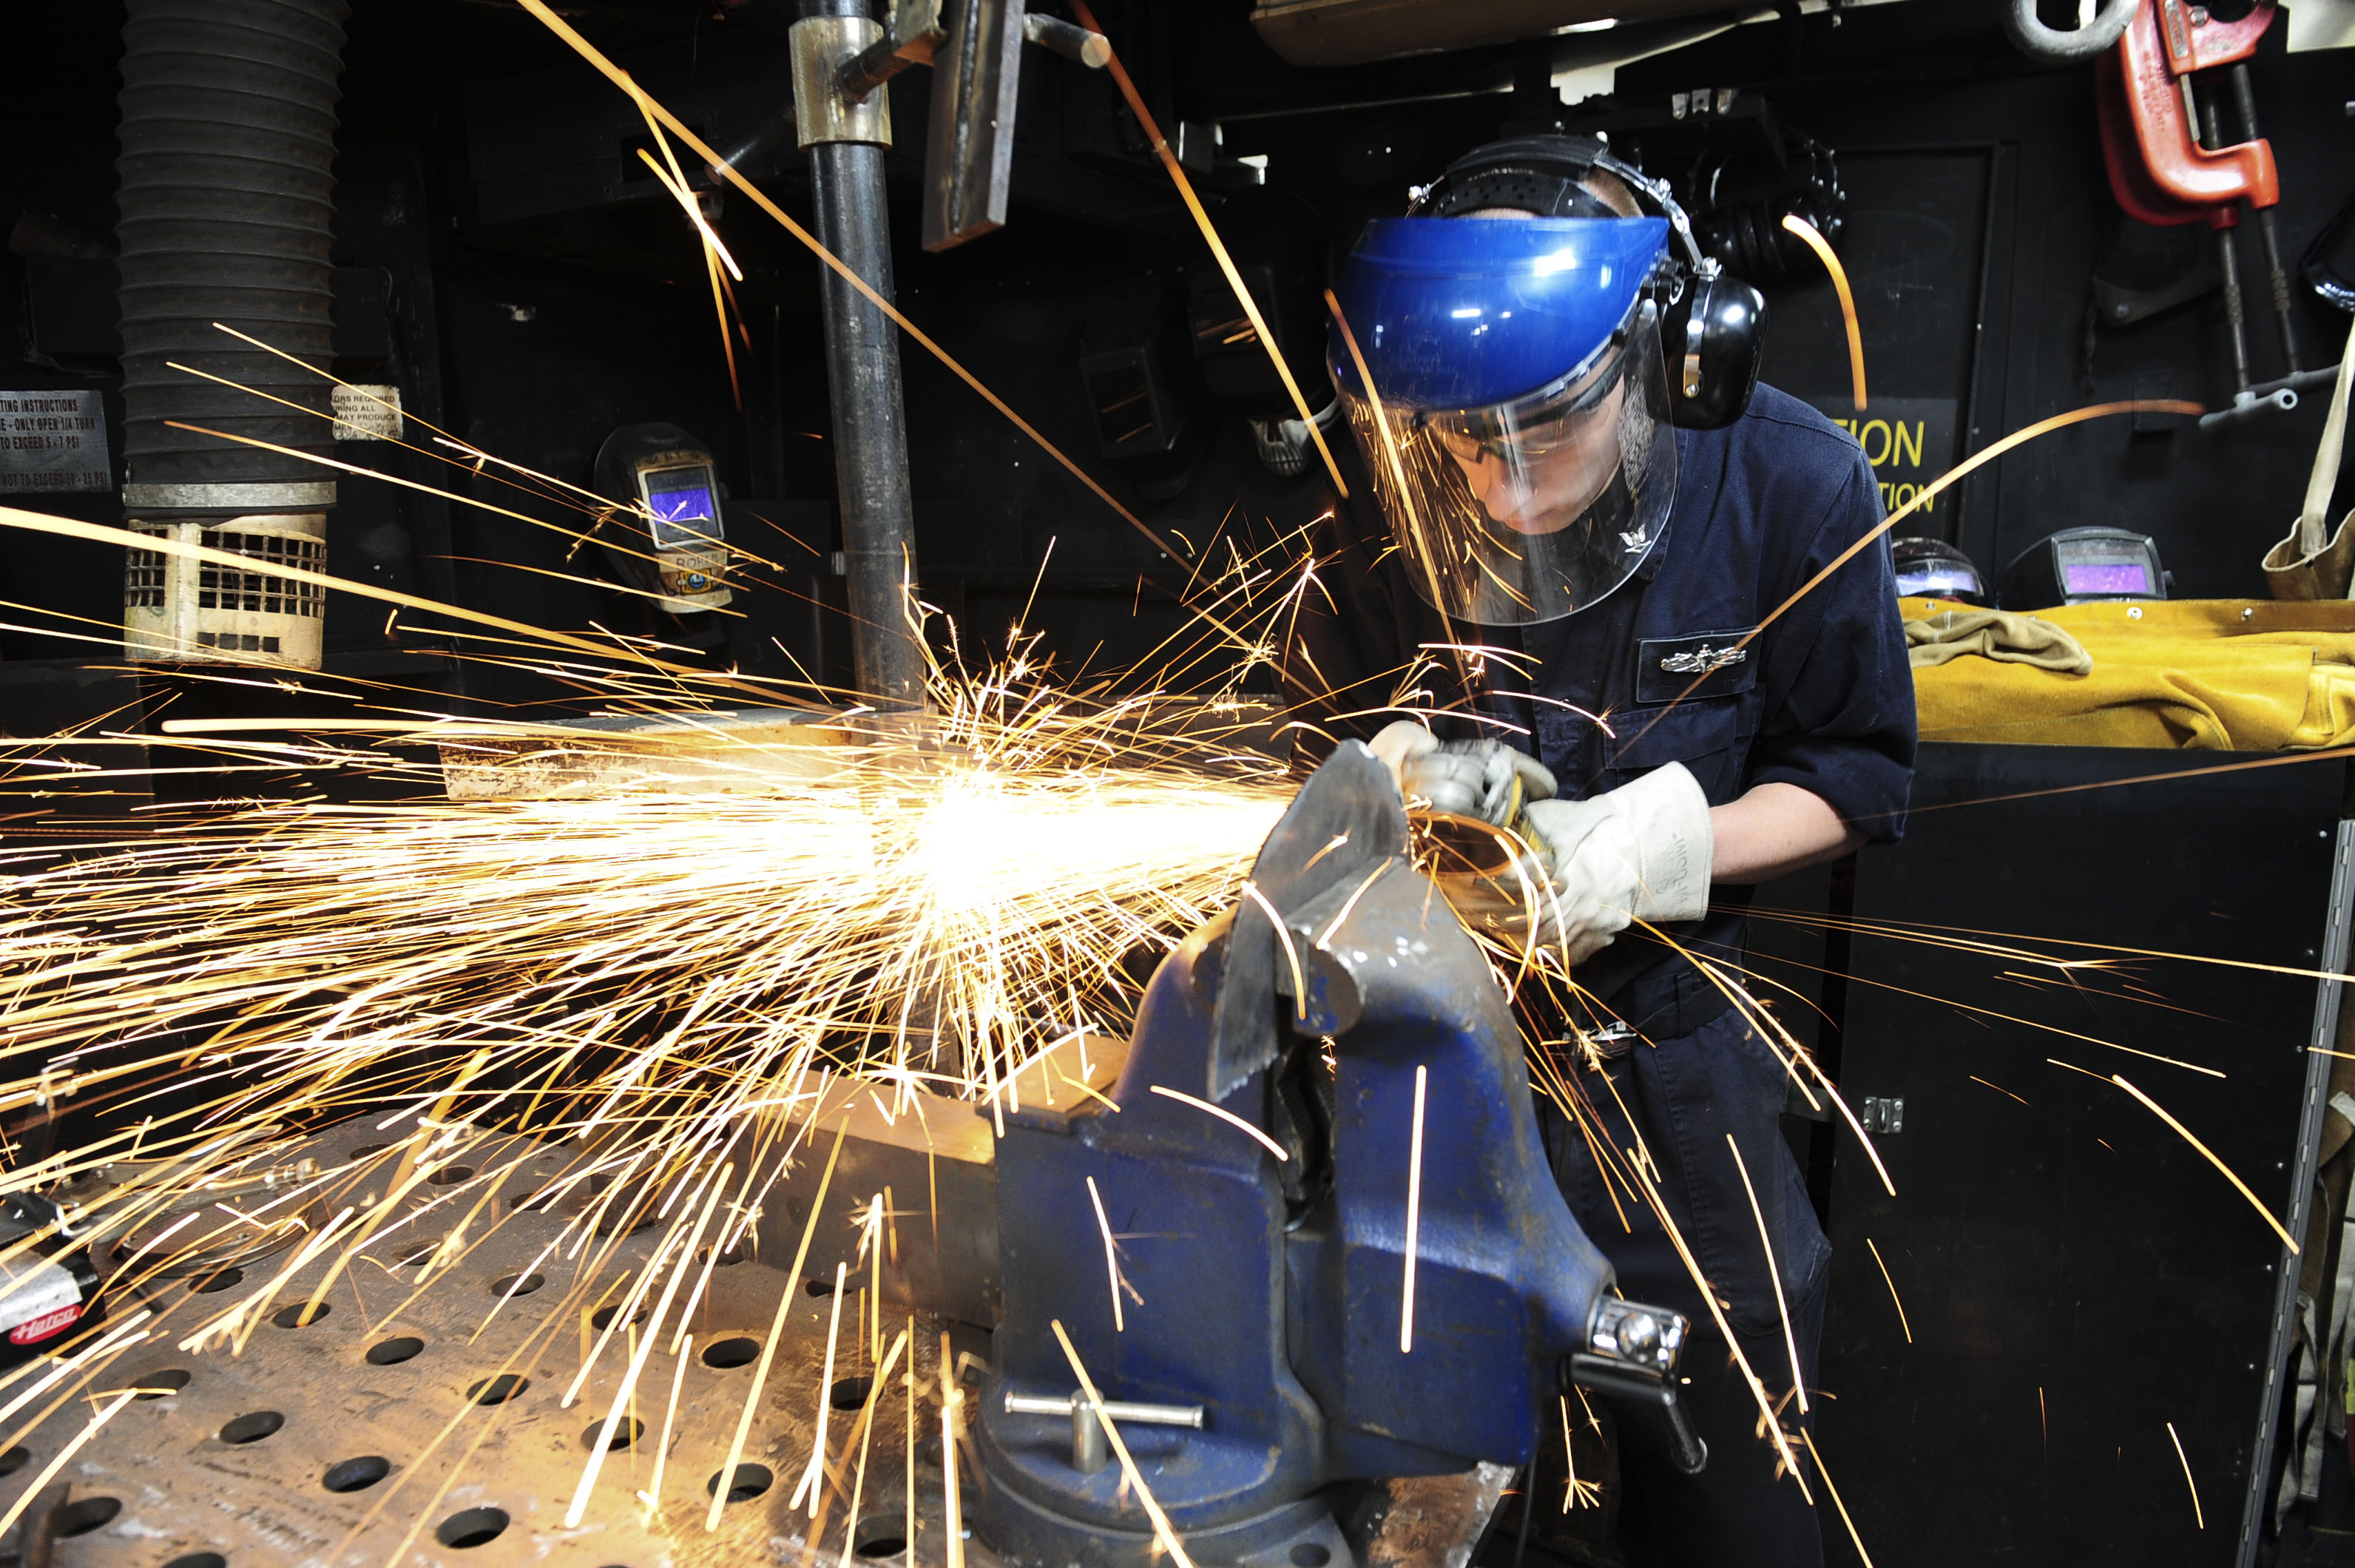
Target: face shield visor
x=1527 y=507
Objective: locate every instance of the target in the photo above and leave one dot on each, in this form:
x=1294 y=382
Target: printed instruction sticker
x=53 y=440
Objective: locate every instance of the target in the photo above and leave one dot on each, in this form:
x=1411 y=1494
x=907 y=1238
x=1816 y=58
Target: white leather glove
x=1464 y=778
x=1640 y=852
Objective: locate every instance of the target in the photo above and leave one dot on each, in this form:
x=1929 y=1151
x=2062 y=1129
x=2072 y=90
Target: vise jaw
x=1395 y=1296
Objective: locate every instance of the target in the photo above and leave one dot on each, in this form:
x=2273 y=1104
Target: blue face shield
x=1517 y=424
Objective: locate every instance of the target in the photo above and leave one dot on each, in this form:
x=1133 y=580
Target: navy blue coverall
x=1821 y=699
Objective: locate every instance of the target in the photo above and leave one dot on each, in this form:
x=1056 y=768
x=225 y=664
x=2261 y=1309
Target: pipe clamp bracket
x=823 y=109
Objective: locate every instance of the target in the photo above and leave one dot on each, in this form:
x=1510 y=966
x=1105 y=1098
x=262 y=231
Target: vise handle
x=1632 y=1354
x=1616 y=1380
x=1089 y=1452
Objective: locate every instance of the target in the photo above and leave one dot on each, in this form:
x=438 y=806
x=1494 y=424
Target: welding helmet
x=1933 y=569
x=1518 y=424
x=663 y=538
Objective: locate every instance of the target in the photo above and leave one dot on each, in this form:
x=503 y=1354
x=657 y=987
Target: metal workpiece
x=1351 y=823
x=825 y=110
x=747 y=751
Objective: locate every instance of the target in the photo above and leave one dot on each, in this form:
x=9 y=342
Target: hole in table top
x=602 y=1318
x=220 y=1280
x=356 y=1475
x=497 y=1391
x=449 y=1175
x=15 y=1459
x=626 y=1431
x=198 y=1560
x=880 y=1537
x=162 y=1384
x=253 y=1426
x=471 y=1528
x=365 y=1150
x=748 y=1482
x=392 y=1352
x=850 y=1393
x=517 y=1284
x=84 y=1515
x=817 y=1286
x=629 y=1222
x=1311 y=1554
x=736 y=1353
x=302 y=1315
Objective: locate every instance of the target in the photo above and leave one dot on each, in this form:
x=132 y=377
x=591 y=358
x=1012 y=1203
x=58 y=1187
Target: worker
x=1656 y=637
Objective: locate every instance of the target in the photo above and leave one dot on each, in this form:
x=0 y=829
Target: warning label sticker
x=52 y=440
x=367 y=412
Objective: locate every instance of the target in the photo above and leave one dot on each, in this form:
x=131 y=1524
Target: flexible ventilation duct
x=228 y=127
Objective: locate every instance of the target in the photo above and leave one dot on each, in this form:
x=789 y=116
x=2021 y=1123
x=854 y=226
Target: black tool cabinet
x=2075 y=1276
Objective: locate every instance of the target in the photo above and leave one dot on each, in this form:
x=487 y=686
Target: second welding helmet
x=1518 y=428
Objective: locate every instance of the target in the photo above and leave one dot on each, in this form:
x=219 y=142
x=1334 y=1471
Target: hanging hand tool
x=2168 y=164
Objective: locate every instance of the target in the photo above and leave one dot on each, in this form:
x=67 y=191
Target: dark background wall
x=502 y=259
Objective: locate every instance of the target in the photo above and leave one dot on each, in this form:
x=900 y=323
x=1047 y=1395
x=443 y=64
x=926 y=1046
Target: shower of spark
x=928 y=909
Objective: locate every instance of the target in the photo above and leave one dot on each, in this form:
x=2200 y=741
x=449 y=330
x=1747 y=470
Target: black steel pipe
x=871 y=442
x=228 y=141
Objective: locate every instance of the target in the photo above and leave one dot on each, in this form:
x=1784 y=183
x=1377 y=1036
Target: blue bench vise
x=1260 y=1359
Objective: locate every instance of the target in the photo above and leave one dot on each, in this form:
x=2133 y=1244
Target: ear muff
x=1713 y=335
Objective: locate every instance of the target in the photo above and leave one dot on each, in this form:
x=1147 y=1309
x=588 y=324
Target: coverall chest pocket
x=1710 y=736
